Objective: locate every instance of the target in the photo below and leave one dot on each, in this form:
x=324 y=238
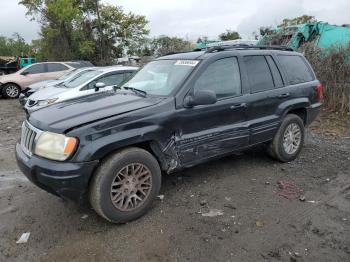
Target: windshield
x=161 y=77
x=81 y=78
x=67 y=75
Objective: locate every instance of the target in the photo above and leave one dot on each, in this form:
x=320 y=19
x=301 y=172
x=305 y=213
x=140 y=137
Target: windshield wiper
x=136 y=91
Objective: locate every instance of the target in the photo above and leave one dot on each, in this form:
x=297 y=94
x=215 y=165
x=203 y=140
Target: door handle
x=235 y=106
x=284 y=95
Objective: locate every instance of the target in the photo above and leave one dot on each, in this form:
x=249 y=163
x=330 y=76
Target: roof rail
x=244 y=46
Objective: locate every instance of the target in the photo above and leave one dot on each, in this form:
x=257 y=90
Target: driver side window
x=109 y=80
x=36 y=69
x=223 y=77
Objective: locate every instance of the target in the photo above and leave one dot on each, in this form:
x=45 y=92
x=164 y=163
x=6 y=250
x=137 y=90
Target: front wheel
x=11 y=90
x=125 y=185
x=288 y=140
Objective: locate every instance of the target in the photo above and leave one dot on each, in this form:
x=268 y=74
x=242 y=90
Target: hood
x=48 y=93
x=76 y=112
x=42 y=84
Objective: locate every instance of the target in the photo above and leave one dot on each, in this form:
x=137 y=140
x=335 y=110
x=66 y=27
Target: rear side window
x=275 y=72
x=56 y=67
x=296 y=69
x=222 y=76
x=259 y=74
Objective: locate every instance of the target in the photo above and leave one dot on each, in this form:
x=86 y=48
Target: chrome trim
x=29 y=137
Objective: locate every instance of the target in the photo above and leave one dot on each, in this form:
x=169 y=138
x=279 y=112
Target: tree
x=229 y=35
x=264 y=30
x=304 y=19
x=165 y=45
x=85 y=29
x=15 y=46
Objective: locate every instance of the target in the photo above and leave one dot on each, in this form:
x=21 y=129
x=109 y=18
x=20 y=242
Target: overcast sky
x=194 y=18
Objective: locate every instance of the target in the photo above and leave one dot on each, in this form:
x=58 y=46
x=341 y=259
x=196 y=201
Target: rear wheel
x=288 y=140
x=11 y=90
x=125 y=185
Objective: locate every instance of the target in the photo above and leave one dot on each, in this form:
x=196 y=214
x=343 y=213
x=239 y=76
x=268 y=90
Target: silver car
x=88 y=82
x=23 y=97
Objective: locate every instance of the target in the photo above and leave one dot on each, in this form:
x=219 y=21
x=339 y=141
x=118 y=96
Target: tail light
x=319 y=92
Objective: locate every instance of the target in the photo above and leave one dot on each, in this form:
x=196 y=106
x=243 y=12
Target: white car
x=31 y=89
x=99 y=79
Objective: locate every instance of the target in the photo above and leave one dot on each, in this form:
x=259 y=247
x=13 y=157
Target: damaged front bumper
x=65 y=179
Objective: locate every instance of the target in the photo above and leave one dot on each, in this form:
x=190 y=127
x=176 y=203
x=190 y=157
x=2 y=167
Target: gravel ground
x=255 y=223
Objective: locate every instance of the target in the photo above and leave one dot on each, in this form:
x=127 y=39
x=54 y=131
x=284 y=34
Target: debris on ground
x=203 y=202
x=313 y=201
x=24 y=238
x=85 y=216
x=289 y=190
x=161 y=197
x=259 y=223
x=213 y=213
x=302 y=198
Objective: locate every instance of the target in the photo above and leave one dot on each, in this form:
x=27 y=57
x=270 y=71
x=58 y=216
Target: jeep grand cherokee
x=176 y=112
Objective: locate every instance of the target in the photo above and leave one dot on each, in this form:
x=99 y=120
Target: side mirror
x=99 y=85
x=201 y=97
x=24 y=73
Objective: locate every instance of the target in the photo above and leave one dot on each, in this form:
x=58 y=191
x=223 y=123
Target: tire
x=11 y=91
x=278 y=148
x=118 y=169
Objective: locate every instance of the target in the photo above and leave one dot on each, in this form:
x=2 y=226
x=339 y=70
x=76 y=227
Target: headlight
x=47 y=102
x=55 y=146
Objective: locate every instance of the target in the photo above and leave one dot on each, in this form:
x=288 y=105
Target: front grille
x=29 y=134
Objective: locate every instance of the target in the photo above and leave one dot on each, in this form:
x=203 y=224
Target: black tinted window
x=36 y=69
x=56 y=67
x=275 y=72
x=222 y=76
x=296 y=69
x=259 y=74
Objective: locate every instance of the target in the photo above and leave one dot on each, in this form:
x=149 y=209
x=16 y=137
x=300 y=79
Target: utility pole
x=99 y=29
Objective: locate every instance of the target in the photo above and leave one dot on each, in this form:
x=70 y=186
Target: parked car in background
x=176 y=112
x=11 y=85
x=27 y=92
x=87 y=82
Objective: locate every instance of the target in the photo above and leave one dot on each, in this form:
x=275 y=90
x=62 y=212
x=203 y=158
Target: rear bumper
x=64 y=179
x=312 y=112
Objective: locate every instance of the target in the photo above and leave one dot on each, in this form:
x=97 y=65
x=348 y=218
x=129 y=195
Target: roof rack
x=244 y=46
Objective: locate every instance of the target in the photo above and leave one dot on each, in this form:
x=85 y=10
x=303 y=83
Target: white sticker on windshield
x=187 y=62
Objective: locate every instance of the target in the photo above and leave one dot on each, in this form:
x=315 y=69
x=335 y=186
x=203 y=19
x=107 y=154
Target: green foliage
x=164 y=45
x=15 y=46
x=85 y=29
x=229 y=35
x=304 y=19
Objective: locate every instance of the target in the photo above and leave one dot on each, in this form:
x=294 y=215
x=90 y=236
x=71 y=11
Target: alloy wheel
x=12 y=91
x=131 y=187
x=292 y=138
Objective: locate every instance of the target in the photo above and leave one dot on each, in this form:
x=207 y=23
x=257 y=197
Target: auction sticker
x=187 y=62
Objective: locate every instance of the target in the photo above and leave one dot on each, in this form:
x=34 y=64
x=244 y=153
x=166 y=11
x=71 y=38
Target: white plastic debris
x=213 y=213
x=313 y=201
x=24 y=238
x=161 y=197
x=85 y=216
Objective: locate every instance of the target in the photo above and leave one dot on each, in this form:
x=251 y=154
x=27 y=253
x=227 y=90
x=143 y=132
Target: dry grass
x=333 y=70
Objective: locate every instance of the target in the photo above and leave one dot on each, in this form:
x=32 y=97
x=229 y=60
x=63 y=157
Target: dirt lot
x=257 y=223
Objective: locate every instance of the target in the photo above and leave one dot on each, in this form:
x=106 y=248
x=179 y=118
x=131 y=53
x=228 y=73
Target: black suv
x=176 y=112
